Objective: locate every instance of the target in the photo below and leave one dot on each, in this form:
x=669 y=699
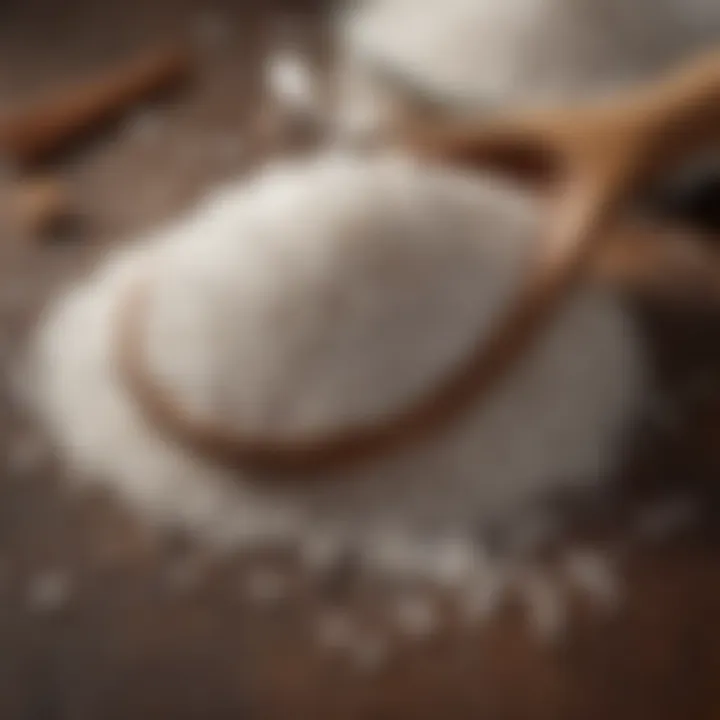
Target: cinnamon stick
x=32 y=134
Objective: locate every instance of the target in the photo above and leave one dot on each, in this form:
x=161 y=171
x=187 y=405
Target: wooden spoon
x=596 y=157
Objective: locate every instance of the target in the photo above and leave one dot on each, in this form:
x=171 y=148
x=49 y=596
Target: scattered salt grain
x=320 y=553
x=544 y=604
x=532 y=532
x=335 y=630
x=291 y=83
x=454 y=561
x=266 y=587
x=392 y=553
x=416 y=617
x=90 y=413
x=591 y=572
x=49 y=592
x=483 y=596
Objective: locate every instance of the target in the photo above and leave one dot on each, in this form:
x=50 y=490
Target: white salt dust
x=317 y=294
x=416 y=617
x=292 y=83
x=370 y=653
x=484 y=594
x=543 y=603
x=493 y=54
x=49 y=591
x=335 y=630
x=592 y=573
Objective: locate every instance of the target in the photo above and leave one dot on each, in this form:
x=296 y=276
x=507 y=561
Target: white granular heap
x=498 y=54
x=315 y=295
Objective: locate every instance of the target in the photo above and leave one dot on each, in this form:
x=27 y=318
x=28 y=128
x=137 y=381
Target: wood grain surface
x=102 y=619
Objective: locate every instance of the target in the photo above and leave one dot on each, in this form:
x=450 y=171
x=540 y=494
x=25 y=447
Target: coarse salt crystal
x=484 y=595
x=49 y=591
x=544 y=604
x=591 y=572
x=370 y=653
x=291 y=83
x=416 y=617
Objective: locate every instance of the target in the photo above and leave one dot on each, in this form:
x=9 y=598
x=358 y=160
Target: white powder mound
x=292 y=83
x=319 y=294
x=492 y=54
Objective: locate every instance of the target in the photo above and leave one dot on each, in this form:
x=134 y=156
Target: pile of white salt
x=314 y=296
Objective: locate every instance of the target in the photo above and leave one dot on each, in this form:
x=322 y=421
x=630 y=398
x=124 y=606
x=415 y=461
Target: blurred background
x=102 y=619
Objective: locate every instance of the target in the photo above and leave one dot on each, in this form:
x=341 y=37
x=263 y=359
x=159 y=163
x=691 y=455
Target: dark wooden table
x=94 y=622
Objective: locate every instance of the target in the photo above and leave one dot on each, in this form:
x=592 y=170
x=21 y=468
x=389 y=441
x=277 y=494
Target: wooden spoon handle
x=639 y=132
x=33 y=133
x=577 y=224
x=600 y=157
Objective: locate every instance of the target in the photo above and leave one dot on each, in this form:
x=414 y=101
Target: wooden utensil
x=595 y=157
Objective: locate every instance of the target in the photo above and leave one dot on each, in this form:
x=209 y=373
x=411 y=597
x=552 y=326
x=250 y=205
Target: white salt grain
x=438 y=252
x=484 y=595
x=292 y=83
x=320 y=553
x=49 y=592
x=416 y=617
x=592 y=573
x=394 y=553
x=544 y=604
x=454 y=560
